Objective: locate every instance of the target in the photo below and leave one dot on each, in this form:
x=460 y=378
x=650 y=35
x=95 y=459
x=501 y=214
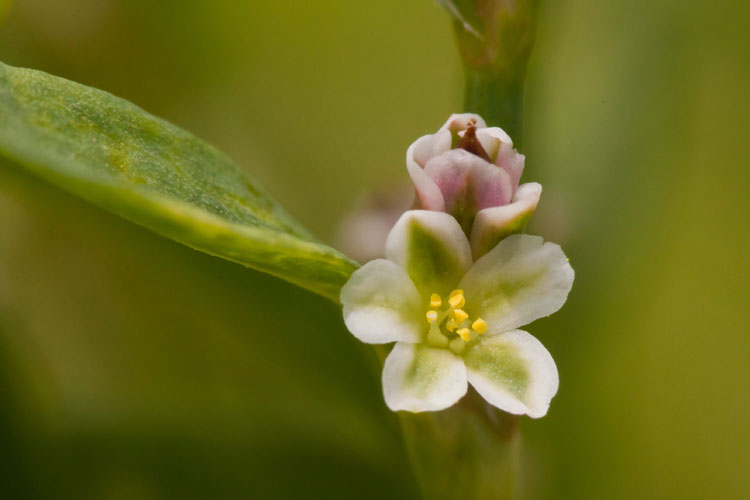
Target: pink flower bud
x=466 y=168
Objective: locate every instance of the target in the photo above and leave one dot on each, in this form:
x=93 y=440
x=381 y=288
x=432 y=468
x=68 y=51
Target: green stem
x=497 y=98
x=494 y=38
x=467 y=451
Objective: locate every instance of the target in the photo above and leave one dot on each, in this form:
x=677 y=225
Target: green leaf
x=151 y=172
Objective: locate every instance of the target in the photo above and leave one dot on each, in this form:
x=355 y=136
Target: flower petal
x=492 y=138
x=513 y=371
x=381 y=304
x=429 y=146
x=494 y=133
x=493 y=224
x=518 y=281
x=420 y=378
x=417 y=156
x=467 y=182
x=512 y=162
x=492 y=186
x=432 y=248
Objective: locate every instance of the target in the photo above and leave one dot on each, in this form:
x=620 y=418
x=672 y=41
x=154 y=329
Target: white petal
x=381 y=304
x=512 y=162
x=495 y=133
x=493 y=224
x=422 y=150
x=432 y=248
x=513 y=371
x=518 y=281
x=429 y=146
x=420 y=378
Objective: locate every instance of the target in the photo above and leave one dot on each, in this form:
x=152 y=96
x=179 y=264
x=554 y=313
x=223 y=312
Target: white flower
x=472 y=172
x=454 y=321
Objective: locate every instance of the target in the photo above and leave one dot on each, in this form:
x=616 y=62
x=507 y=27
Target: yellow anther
x=460 y=315
x=456 y=299
x=435 y=301
x=479 y=326
x=451 y=325
x=464 y=333
x=432 y=316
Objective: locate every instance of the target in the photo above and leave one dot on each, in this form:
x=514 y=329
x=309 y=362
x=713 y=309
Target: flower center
x=451 y=326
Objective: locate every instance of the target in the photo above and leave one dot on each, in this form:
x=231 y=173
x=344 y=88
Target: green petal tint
x=518 y=281
x=432 y=248
x=419 y=378
x=382 y=305
x=512 y=371
x=140 y=167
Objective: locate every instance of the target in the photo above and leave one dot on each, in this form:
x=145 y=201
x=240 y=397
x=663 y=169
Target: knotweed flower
x=454 y=320
x=472 y=172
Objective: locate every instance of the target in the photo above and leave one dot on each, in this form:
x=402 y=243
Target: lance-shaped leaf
x=145 y=169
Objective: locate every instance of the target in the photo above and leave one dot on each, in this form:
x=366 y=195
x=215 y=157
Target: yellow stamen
x=451 y=327
x=464 y=333
x=479 y=326
x=460 y=315
x=456 y=299
x=435 y=301
x=432 y=316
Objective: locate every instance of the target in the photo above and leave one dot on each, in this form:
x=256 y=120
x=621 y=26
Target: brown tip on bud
x=470 y=143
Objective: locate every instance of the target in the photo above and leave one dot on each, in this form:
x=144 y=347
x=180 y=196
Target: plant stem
x=494 y=38
x=468 y=451
x=497 y=98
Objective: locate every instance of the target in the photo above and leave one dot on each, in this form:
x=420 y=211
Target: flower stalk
x=470 y=450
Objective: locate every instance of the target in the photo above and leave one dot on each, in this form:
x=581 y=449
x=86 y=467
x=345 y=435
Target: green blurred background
x=132 y=367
